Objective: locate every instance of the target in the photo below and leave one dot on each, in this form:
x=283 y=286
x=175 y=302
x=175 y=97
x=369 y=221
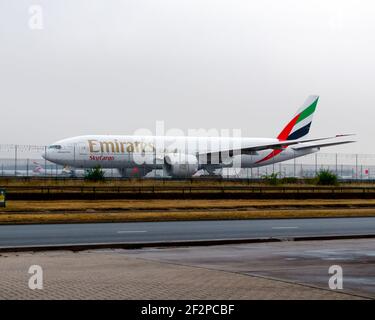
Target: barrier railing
x=188 y=189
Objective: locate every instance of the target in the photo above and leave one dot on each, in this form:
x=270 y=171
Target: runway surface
x=59 y=234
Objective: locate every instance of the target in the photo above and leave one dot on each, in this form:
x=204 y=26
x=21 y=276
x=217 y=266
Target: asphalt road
x=57 y=234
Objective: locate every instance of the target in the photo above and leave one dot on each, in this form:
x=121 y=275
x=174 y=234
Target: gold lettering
x=136 y=146
x=117 y=146
x=151 y=147
x=92 y=143
x=130 y=147
x=122 y=147
x=143 y=147
x=107 y=146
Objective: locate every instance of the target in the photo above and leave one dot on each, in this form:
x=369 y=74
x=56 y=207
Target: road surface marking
x=131 y=231
x=284 y=227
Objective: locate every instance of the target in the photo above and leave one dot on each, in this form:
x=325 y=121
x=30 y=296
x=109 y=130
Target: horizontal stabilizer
x=321 y=145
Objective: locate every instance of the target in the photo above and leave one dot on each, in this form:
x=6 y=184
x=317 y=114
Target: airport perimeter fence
x=27 y=161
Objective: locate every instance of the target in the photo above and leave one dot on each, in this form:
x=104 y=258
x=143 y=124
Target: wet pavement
x=298 y=262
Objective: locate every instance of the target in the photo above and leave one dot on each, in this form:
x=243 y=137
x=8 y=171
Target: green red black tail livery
x=299 y=126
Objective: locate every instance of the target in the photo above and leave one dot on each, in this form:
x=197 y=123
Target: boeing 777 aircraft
x=185 y=156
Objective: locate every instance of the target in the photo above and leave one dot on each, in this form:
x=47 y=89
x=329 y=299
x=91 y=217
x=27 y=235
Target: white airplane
x=185 y=156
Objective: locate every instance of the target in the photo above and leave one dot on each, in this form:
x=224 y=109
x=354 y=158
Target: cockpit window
x=55 y=146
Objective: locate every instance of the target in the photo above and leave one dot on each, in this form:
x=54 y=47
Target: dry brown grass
x=171 y=210
x=118 y=205
x=17 y=218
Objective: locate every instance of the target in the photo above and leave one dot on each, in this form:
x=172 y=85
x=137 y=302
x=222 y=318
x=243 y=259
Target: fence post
x=356 y=166
x=74 y=155
x=15 y=160
x=45 y=162
x=251 y=168
x=27 y=167
x=342 y=168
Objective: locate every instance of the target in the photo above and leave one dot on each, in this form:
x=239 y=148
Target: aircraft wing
x=274 y=145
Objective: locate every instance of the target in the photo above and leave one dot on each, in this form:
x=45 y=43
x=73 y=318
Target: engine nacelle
x=180 y=165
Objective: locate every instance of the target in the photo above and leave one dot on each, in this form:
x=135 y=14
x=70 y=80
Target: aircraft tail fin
x=299 y=126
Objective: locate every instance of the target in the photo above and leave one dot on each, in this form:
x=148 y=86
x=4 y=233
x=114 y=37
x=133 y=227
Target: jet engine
x=180 y=165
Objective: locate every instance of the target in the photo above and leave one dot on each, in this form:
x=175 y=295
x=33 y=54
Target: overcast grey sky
x=110 y=67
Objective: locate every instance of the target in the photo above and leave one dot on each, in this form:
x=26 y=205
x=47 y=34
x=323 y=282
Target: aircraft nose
x=50 y=153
